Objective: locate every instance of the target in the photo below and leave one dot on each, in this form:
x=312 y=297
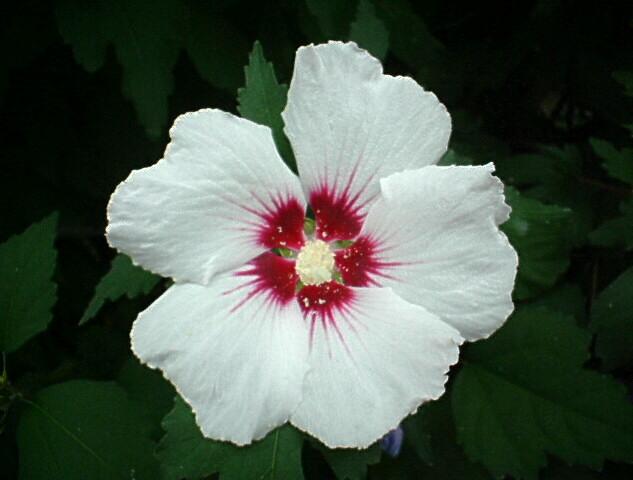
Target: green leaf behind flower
x=123 y=279
x=541 y=235
x=369 y=31
x=263 y=99
x=351 y=464
x=185 y=453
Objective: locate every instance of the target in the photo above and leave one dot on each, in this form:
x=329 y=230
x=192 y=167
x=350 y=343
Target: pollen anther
x=315 y=263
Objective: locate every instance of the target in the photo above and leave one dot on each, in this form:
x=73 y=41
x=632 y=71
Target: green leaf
x=410 y=41
x=144 y=35
x=151 y=394
x=216 y=48
x=612 y=321
x=263 y=99
x=123 y=279
x=555 y=176
x=617 y=232
x=185 y=453
x=619 y=163
x=350 y=464
x=451 y=157
x=83 y=429
x=524 y=394
x=564 y=472
x=369 y=31
x=445 y=459
x=566 y=298
x=417 y=435
x=27 y=290
x=540 y=233
x=413 y=43
x=332 y=16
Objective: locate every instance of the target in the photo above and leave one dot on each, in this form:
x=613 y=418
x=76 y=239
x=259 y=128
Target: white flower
x=342 y=341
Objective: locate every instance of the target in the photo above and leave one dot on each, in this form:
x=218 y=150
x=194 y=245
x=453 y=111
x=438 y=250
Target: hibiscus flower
x=342 y=325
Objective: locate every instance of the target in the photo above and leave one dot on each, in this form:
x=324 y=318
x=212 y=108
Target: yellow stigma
x=315 y=263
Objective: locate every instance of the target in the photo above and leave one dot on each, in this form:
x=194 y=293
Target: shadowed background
x=544 y=89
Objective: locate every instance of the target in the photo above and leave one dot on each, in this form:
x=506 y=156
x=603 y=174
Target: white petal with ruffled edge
x=218 y=198
x=350 y=125
x=376 y=362
x=438 y=243
x=238 y=361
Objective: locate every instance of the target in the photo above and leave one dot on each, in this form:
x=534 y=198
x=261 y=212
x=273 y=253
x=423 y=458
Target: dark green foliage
x=262 y=100
x=144 y=35
x=612 y=320
x=351 y=464
x=185 y=453
x=147 y=38
x=27 y=290
x=618 y=231
x=123 y=279
x=442 y=457
x=82 y=429
x=369 y=31
x=618 y=163
x=541 y=235
x=543 y=89
x=524 y=393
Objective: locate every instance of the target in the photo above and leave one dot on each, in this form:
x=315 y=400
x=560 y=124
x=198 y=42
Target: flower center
x=315 y=263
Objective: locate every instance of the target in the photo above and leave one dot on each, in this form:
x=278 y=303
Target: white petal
x=373 y=362
x=218 y=198
x=237 y=358
x=438 y=245
x=350 y=125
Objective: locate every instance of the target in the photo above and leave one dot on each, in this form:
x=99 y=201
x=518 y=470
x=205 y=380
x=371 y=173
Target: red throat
x=275 y=277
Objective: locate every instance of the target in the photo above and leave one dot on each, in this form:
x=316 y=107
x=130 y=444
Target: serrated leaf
x=262 y=100
x=84 y=429
x=524 y=394
x=27 y=290
x=617 y=232
x=185 y=453
x=144 y=35
x=618 y=163
x=612 y=321
x=368 y=31
x=541 y=235
x=351 y=464
x=123 y=279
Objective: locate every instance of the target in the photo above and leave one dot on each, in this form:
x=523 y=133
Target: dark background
x=528 y=84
